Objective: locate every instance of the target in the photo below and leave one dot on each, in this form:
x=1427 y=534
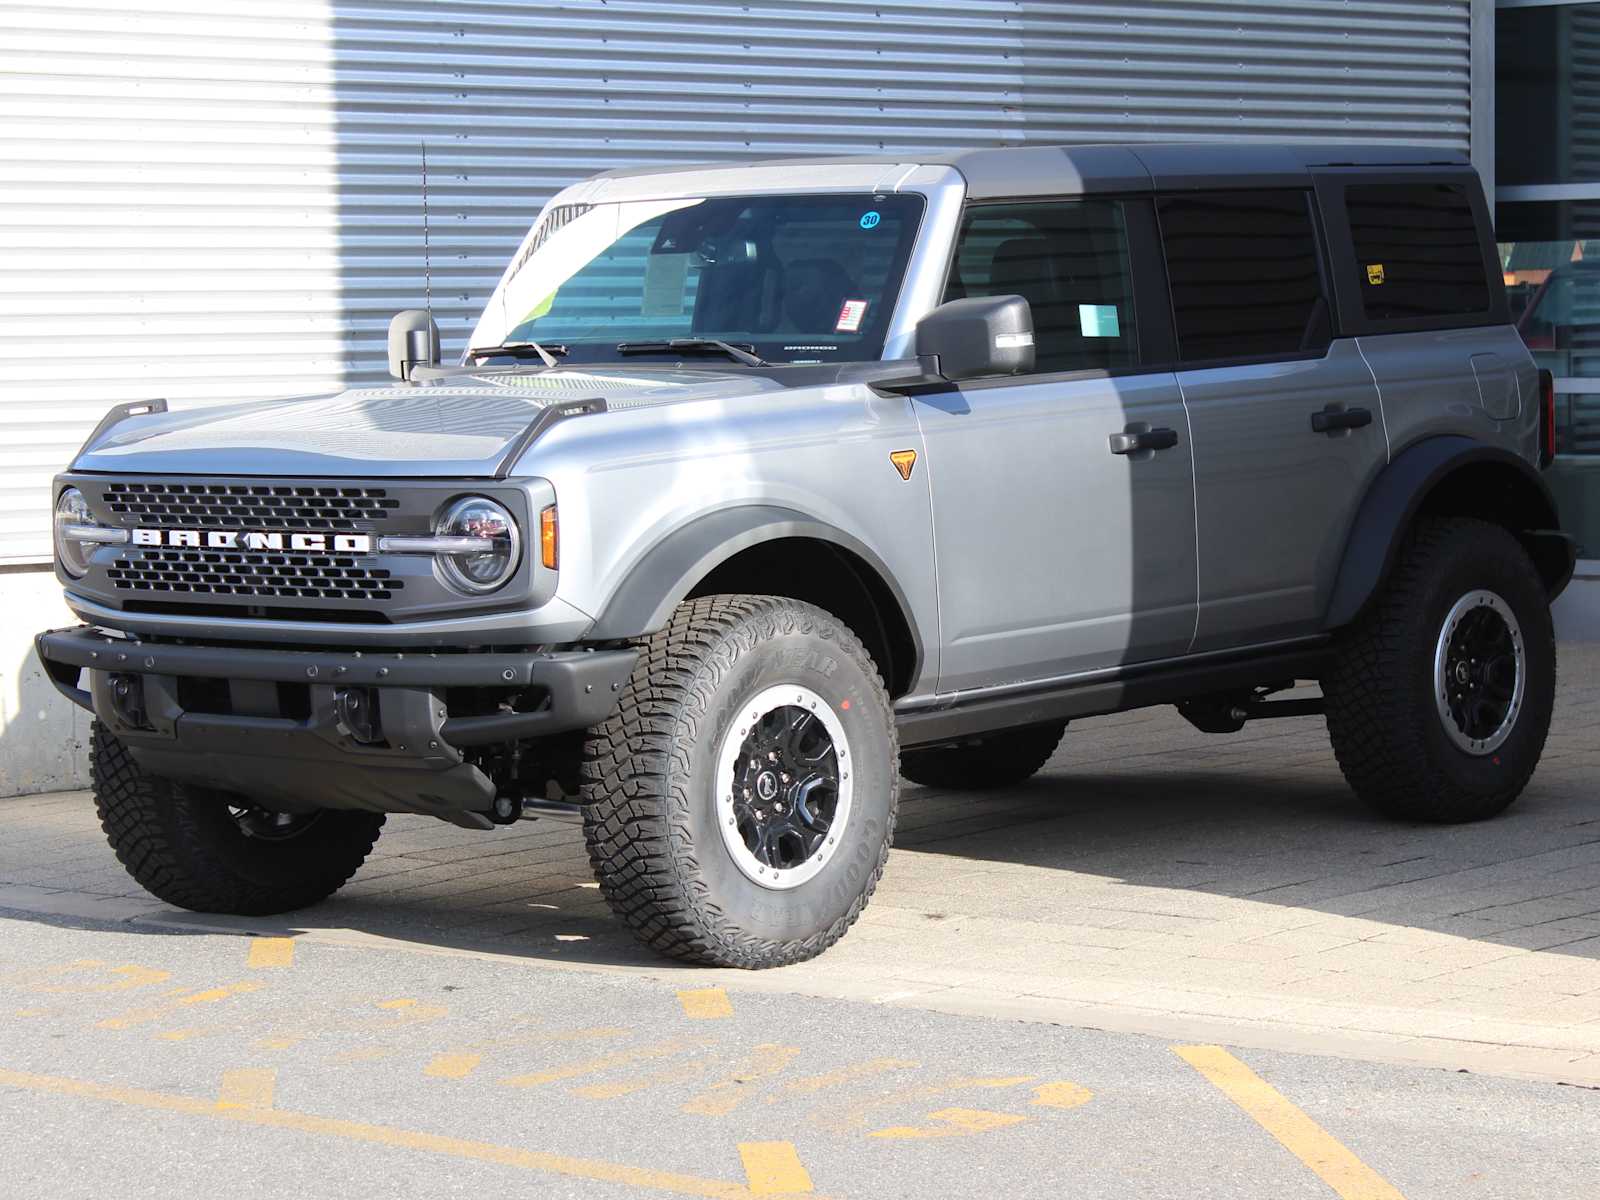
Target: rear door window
x=1245 y=275
x=1069 y=261
x=1418 y=253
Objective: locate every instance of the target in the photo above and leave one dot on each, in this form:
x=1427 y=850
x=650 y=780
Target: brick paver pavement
x=1150 y=875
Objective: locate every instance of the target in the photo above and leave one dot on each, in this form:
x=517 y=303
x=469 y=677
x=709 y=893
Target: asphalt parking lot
x=1172 y=964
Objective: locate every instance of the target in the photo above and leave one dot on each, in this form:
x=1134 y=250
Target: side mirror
x=984 y=335
x=413 y=342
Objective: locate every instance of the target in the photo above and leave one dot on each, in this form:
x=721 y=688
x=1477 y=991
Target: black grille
x=250 y=505
x=276 y=576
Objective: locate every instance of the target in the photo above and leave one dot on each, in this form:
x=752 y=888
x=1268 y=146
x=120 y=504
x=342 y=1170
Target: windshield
x=793 y=278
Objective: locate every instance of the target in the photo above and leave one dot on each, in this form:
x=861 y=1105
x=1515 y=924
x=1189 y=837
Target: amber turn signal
x=549 y=538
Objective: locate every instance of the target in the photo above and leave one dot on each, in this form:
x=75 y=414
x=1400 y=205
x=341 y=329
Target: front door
x=1063 y=502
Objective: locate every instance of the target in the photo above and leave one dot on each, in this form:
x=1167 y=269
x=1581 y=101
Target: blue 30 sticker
x=869 y=220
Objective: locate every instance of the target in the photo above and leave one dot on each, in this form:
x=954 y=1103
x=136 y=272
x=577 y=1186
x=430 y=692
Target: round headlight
x=73 y=509
x=480 y=570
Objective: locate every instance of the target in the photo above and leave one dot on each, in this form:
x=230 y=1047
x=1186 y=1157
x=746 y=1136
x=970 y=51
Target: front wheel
x=1440 y=700
x=740 y=803
x=217 y=853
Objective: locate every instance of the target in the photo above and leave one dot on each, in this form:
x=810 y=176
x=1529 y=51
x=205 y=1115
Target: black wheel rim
x=264 y=825
x=1479 y=672
x=783 y=790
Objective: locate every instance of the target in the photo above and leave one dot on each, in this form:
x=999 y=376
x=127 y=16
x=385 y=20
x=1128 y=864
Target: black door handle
x=1331 y=420
x=1149 y=439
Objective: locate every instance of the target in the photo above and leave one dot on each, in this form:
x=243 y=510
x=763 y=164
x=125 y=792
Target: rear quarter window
x=1418 y=253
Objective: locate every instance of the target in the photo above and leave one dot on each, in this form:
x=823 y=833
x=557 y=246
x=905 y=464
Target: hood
x=461 y=426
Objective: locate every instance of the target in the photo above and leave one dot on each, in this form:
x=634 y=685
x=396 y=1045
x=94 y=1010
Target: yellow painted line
x=952 y=1122
x=604 y=1063
x=774 y=1169
x=139 y=1016
x=1061 y=1095
x=679 y=1073
x=130 y=975
x=250 y=1087
x=387 y=1135
x=705 y=1004
x=723 y=1097
x=452 y=1066
x=271 y=952
x=850 y=1074
x=1347 y=1175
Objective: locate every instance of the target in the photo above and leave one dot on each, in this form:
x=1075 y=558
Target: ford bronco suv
x=763 y=485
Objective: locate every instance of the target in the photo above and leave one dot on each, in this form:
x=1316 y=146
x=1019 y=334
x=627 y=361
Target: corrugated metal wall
x=204 y=201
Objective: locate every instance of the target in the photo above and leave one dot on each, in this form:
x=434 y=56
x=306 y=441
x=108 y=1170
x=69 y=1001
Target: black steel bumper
x=277 y=723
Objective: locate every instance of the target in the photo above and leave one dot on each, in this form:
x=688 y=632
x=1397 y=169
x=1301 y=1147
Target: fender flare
x=669 y=570
x=1399 y=493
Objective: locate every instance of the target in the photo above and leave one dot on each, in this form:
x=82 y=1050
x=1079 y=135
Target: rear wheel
x=1440 y=700
x=996 y=760
x=214 y=852
x=739 y=805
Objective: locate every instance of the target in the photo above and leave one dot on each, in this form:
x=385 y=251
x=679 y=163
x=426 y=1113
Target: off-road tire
x=996 y=760
x=648 y=776
x=183 y=845
x=1386 y=730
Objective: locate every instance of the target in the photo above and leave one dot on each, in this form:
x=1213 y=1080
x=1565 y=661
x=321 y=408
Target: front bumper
x=276 y=725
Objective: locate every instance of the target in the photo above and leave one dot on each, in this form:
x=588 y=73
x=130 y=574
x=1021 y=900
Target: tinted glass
x=1070 y=262
x=1547 y=94
x=1244 y=275
x=1417 y=251
x=798 y=278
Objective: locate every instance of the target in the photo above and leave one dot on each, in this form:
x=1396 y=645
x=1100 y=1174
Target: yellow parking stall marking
x=681 y=1073
x=1347 y=1175
x=722 y=1098
x=855 y=1117
x=387 y=1135
x=139 y=1016
x=1061 y=1095
x=705 y=1004
x=250 y=1087
x=952 y=1122
x=129 y=975
x=452 y=1066
x=850 y=1074
x=774 y=1169
x=604 y=1063
x=271 y=952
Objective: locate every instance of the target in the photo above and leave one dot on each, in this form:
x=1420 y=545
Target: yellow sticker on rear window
x=1374 y=273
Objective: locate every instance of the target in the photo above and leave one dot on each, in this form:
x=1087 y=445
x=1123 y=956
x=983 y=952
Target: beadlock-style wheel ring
x=783 y=786
x=1480 y=672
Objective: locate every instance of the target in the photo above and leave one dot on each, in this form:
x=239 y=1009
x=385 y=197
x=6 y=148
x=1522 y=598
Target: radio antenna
x=427 y=263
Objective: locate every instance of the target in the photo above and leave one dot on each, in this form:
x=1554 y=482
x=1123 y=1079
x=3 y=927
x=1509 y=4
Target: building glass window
x=1244 y=275
x=1547 y=94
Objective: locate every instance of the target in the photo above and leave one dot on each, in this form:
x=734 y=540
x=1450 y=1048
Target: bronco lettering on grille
x=256 y=540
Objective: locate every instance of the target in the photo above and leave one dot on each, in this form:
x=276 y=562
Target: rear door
x=1287 y=428
x=1058 y=550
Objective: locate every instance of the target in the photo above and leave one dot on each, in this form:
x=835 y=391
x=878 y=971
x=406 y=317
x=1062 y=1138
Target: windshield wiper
x=547 y=354
x=740 y=354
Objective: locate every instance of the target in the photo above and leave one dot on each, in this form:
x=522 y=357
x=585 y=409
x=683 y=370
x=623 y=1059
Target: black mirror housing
x=983 y=335
x=413 y=342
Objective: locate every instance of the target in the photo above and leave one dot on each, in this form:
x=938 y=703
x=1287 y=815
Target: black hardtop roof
x=997 y=172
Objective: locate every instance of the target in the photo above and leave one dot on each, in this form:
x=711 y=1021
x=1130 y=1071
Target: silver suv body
x=962 y=448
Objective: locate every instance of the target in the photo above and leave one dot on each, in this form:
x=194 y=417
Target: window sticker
x=665 y=277
x=850 y=316
x=1099 y=320
x=1374 y=273
x=870 y=219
